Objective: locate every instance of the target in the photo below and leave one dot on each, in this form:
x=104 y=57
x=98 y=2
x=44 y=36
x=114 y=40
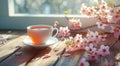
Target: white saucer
x=50 y=41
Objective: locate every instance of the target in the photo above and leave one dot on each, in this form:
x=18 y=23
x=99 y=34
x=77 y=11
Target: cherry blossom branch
x=87 y=27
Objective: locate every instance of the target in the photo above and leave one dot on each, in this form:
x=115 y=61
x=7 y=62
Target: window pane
x=52 y=6
x=49 y=6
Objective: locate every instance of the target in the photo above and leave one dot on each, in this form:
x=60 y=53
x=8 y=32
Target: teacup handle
x=56 y=32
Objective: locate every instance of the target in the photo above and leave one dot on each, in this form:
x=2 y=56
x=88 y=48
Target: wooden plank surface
x=71 y=60
x=54 y=54
x=10 y=55
x=10 y=47
x=6 y=36
x=29 y=54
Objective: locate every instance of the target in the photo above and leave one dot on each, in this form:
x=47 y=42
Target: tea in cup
x=40 y=33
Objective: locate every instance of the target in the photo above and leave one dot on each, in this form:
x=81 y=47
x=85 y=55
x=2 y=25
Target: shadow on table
x=24 y=56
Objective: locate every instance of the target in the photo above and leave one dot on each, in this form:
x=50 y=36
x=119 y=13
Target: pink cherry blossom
x=85 y=41
x=74 y=24
x=106 y=19
x=83 y=62
x=103 y=9
x=78 y=39
x=104 y=50
x=104 y=13
x=116 y=31
x=115 y=13
x=97 y=16
x=69 y=41
x=93 y=56
x=94 y=37
x=90 y=48
x=116 y=18
x=90 y=35
x=112 y=11
x=74 y=44
x=103 y=5
x=103 y=37
x=101 y=25
x=83 y=9
x=90 y=11
x=64 y=32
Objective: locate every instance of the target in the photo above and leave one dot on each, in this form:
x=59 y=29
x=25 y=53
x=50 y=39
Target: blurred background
x=54 y=6
x=18 y=14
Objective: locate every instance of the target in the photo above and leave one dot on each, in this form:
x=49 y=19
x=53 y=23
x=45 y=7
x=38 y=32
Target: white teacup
x=40 y=33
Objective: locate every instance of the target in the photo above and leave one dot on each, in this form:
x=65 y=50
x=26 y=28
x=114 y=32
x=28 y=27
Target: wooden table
x=15 y=53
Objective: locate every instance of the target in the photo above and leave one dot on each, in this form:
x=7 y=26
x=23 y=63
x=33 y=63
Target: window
x=21 y=15
x=49 y=7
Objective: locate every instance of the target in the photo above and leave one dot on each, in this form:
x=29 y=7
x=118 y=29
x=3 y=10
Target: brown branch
x=77 y=30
